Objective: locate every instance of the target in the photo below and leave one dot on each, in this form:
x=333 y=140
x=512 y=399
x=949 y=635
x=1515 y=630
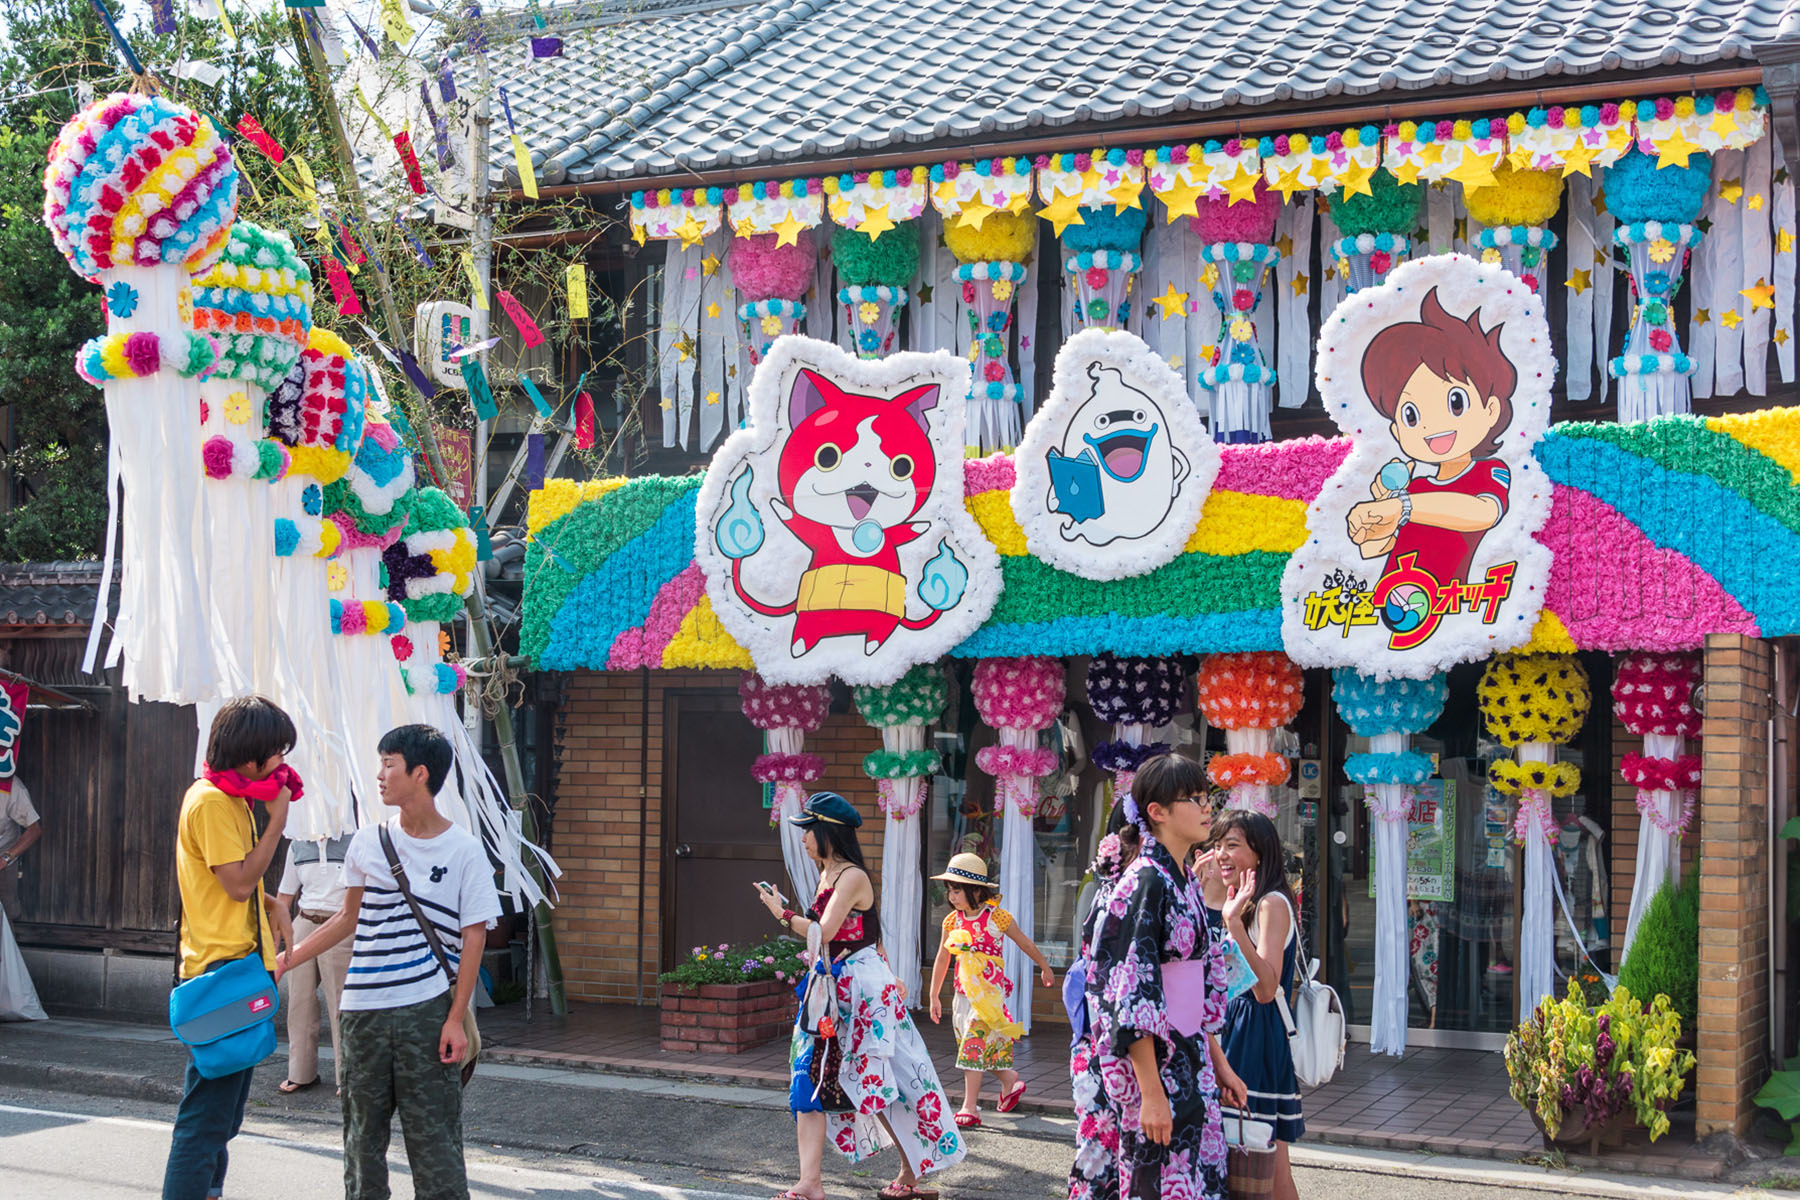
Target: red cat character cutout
x=859 y=483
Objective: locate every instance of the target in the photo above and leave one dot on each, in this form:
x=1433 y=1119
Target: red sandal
x=1011 y=1099
x=967 y=1121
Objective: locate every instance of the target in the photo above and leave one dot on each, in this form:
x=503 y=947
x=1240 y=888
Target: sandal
x=288 y=1087
x=905 y=1191
x=967 y=1121
x=791 y=1194
x=1011 y=1099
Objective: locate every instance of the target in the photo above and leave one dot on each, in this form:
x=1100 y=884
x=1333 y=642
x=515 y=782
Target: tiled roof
x=653 y=89
x=56 y=593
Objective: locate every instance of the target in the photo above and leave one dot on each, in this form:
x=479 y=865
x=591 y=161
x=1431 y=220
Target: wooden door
x=717 y=841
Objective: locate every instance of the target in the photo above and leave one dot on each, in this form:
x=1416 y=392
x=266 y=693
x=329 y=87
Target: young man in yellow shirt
x=220 y=861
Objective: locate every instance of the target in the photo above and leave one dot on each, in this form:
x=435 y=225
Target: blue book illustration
x=1076 y=485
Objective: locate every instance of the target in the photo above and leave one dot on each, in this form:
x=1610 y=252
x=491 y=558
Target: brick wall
x=1733 y=816
x=610 y=935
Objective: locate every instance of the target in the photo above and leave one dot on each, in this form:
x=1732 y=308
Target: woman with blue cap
x=861 y=1073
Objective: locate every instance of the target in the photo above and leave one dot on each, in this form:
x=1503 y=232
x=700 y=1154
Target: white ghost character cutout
x=1113 y=470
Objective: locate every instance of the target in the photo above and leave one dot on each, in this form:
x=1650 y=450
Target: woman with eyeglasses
x=1156 y=1000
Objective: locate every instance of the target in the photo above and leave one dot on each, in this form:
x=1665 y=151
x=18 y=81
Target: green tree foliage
x=1665 y=956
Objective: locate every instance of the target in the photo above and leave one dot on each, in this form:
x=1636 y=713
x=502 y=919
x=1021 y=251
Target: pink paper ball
x=1219 y=220
x=765 y=270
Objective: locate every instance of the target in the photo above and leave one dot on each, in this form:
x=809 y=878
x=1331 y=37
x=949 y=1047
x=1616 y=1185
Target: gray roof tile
x=649 y=88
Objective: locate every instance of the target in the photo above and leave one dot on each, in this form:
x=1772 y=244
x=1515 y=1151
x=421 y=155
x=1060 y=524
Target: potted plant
x=1587 y=1074
x=1664 y=959
x=731 y=998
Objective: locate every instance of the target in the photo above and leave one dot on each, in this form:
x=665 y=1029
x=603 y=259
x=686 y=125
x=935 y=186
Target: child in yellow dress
x=985 y=1029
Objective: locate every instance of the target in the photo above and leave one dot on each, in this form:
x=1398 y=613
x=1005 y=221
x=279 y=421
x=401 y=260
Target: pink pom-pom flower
x=1217 y=219
x=783 y=706
x=1018 y=693
x=763 y=269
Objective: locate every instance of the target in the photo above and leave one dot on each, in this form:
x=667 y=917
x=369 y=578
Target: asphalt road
x=65 y=1145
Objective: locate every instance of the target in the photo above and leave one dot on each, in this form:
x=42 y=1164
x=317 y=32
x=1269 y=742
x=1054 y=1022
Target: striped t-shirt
x=391 y=963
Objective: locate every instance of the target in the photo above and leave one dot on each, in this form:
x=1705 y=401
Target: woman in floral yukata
x=1148 y=1079
x=867 y=1080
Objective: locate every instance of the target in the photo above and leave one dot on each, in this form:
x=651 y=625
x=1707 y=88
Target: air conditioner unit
x=439 y=327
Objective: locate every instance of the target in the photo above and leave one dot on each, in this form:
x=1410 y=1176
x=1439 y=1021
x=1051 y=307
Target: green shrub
x=1665 y=957
x=778 y=958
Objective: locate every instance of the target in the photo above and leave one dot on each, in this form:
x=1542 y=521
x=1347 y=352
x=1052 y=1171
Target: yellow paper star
x=1520 y=158
x=1474 y=171
x=1730 y=190
x=1755 y=203
x=637 y=233
x=1731 y=318
x=839 y=208
x=1285 y=244
x=1287 y=183
x=1722 y=123
x=1407 y=171
x=1356 y=180
x=1090 y=179
x=1702 y=316
x=1619 y=139
x=712 y=310
x=1018 y=204
x=1126 y=196
x=1599 y=201
x=684 y=346
x=1242 y=185
x=1209 y=275
x=712 y=397
x=945 y=192
x=1675 y=151
x=1602 y=258
x=1784 y=240
x=1431 y=155
x=876 y=223
x=973 y=215
x=709 y=266
x=1579 y=280
x=1172 y=302
x=1207 y=352
x=1578 y=160
x=1300 y=283
x=1182 y=200
x=787 y=230
x=668 y=406
x=1063 y=212
x=691 y=232
x=1760 y=296
x=1781 y=337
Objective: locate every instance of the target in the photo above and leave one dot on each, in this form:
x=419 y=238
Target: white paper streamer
x=1018 y=851
x=1781 y=217
x=1578 y=348
x=1658 y=853
x=1026 y=324
x=718 y=313
x=680 y=319
x=1537 y=925
x=1293 y=324
x=1726 y=237
x=1758 y=268
x=1326 y=278
x=1440 y=221
x=902 y=883
x=1387 y=1018
x=1604 y=277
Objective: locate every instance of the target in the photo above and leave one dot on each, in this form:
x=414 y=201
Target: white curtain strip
x=1326 y=278
x=1387 y=1020
x=1025 y=322
x=1537 y=943
x=1018 y=853
x=1781 y=218
x=1440 y=223
x=920 y=332
x=1293 y=333
x=718 y=313
x=1754 y=214
x=734 y=353
x=789 y=800
x=1700 y=337
x=680 y=326
x=1603 y=279
x=1727 y=235
x=1658 y=854
x=902 y=883
x=1578 y=343
x=1464 y=243
x=1159 y=332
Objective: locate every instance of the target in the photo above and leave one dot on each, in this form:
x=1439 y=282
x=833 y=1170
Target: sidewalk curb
x=89 y=1081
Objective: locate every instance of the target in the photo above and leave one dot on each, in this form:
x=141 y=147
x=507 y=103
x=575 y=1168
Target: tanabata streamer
x=1135 y=695
x=786 y=713
x=139 y=195
x=1249 y=696
x=1653 y=697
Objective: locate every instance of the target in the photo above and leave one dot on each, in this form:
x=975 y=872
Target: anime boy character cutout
x=1446 y=388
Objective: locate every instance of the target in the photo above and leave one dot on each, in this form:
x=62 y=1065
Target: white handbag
x=1315 y=1029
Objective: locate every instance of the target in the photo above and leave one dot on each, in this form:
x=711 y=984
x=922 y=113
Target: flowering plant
x=1570 y=1060
x=778 y=959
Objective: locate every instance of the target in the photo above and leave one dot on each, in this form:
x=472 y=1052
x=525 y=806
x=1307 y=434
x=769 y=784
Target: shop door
x=717 y=841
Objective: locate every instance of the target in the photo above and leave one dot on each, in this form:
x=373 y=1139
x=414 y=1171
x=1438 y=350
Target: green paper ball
x=889 y=259
x=1390 y=207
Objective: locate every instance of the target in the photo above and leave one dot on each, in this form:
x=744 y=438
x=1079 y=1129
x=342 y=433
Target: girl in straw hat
x=985 y=1029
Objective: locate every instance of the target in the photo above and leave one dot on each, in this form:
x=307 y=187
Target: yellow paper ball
x=1517 y=197
x=1533 y=698
x=1003 y=237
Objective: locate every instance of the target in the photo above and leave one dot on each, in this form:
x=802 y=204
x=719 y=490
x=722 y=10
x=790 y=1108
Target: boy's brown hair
x=1450 y=348
x=249 y=729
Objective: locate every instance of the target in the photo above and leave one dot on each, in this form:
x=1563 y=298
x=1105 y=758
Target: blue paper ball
x=1103 y=229
x=1638 y=190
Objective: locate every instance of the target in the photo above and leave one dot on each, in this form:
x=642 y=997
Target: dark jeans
x=391 y=1065
x=211 y=1112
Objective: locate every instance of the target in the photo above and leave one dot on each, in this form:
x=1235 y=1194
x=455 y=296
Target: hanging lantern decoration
x=991 y=259
x=786 y=713
x=1656 y=208
x=139 y=194
x=1238 y=253
x=1375 y=229
x=1515 y=209
x=1249 y=696
x=1388 y=712
x=1135 y=695
x=772 y=280
x=1653 y=697
x=1532 y=703
x=876 y=272
x=1018 y=698
x=902 y=711
x=1102 y=261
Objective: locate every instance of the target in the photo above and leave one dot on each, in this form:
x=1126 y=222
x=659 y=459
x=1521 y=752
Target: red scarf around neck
x=264 y=790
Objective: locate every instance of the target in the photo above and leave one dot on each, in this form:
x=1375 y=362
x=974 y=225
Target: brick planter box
x=727 y=1018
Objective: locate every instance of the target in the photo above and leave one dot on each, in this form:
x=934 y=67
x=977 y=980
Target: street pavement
x=85 y=1112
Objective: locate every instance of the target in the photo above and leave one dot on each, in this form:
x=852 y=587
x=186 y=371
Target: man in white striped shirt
x=402 y=1007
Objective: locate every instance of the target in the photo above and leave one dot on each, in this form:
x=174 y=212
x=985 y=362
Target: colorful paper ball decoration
x=916 y=698
x=1001 y=237
x=1638 y=190
x=1533 y=697
x=432 y=566
x=1128 y=690
x=1018 y=693
x=1217 y=219
x=1654 y=694
x=1104 y=229
x=1253 y=690
x=764 y=269
x=1371 y=707
x=783 y=705
x=139 y=181
x=1389 y=207
x=256 y=302
x=889 y=259
x=1516 y=197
